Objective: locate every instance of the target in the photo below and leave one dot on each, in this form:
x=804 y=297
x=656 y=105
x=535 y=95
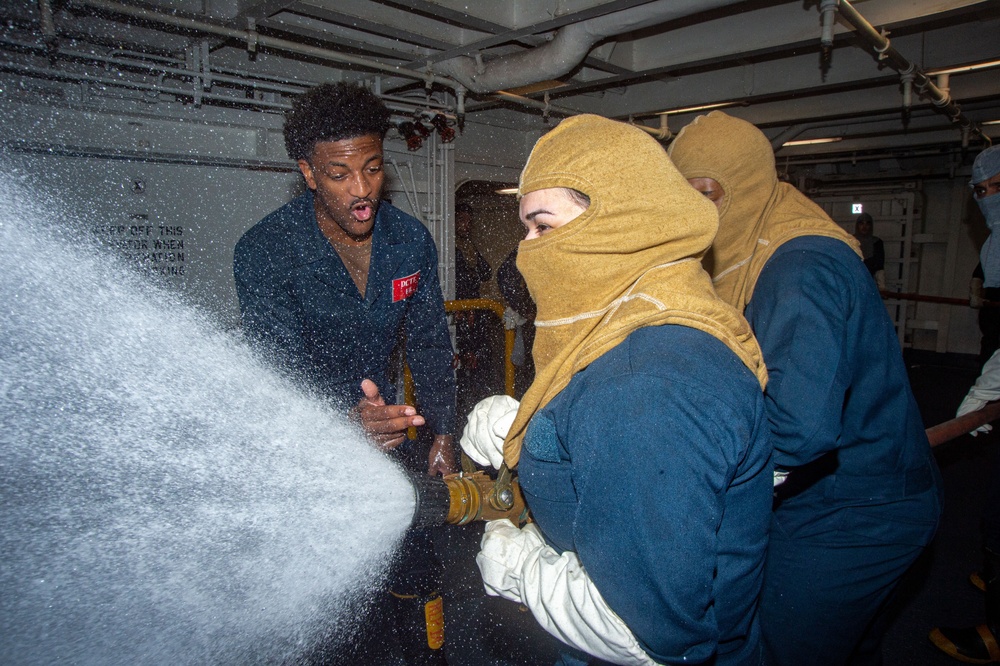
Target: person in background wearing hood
x=872 y=248
x=641 y=445
x=328 y=285
x=860 y=499
x=978 y=645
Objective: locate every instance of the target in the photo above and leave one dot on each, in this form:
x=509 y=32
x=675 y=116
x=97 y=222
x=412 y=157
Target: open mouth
x=363 y=210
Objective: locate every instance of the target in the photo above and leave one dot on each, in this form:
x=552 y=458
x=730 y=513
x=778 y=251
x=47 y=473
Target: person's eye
x=375 y=169
x=542 y=228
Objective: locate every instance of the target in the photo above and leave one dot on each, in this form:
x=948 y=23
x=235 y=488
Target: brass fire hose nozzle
x=459 y=499
x=478 y=497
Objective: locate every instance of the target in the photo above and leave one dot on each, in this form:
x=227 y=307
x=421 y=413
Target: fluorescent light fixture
x=506 y=190
x=692 y=109
x=991 y=122
x=964 y=68
x=810 y=142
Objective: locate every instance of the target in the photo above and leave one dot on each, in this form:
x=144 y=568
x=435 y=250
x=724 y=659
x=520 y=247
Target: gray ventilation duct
x=568 y=47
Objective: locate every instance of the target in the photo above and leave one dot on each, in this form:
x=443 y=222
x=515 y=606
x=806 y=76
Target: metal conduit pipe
x=45 y=16
x=159 y=68
x=662 y=133
x=219 y=74
x=828 y=12
x=790 y=132
x=878 y=40
x=502 y=96
x=568 y=47
x=262 y=40
x=57 y=75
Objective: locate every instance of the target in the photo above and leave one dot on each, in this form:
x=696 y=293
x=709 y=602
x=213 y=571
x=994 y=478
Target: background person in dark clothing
x=471 y=269
x=515 y=293
x=476 y=331
x=872 y=248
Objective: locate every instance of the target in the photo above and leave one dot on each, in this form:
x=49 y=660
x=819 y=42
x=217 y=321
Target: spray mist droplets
x=166 y=497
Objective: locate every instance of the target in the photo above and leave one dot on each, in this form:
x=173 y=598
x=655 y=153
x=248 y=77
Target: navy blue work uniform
x=863 y=498
x=676 y=544
x=299 y=303
x=298 y=300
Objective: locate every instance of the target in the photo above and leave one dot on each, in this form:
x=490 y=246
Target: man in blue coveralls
x=332 y=285
x=861 y=498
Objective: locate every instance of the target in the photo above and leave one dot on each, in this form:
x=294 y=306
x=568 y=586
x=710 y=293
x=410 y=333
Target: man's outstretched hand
x=385 y=424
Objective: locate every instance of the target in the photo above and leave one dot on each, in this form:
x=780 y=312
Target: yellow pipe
x=467 y=305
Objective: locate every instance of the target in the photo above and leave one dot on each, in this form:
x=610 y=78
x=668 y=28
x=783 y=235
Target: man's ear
x=307 y=173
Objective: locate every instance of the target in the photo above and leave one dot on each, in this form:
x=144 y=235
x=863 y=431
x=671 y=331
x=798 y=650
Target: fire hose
x=465 y=497
x=949 y=430
x=468 y=496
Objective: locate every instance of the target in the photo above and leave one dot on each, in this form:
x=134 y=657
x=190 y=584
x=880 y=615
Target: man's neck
x=336 y=234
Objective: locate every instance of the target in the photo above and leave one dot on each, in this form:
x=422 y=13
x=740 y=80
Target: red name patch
x=404 y=287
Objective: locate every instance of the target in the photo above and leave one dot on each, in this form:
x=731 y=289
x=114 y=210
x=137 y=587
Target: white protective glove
x=986 y=388
x=516 y=564
x=489 y=421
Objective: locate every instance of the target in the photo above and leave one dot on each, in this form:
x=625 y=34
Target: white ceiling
x=627 y=59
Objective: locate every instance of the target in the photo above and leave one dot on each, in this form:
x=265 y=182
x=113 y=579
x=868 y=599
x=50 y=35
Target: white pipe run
x=568 y=47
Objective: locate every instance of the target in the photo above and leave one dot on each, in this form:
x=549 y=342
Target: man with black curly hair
x=334 y=284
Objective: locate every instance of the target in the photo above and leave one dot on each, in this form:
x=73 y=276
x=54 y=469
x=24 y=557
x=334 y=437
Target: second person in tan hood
x=641 y=445
x=861 y=498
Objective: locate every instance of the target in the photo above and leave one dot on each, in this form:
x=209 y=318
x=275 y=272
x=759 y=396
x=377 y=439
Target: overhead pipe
x=254 y=40
x=879 y=41
x=160 y=88
x=828 y=12
x=111 y=82
x=427 y=108
x=264 y=41
x=790 y=132
x=567 y=49
x=793 y=131
x=543 y=105
x=662 y=133
x=45 y=18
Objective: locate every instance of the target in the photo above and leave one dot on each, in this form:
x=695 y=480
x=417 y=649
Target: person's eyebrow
x=371 y=159
x=535 y=213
